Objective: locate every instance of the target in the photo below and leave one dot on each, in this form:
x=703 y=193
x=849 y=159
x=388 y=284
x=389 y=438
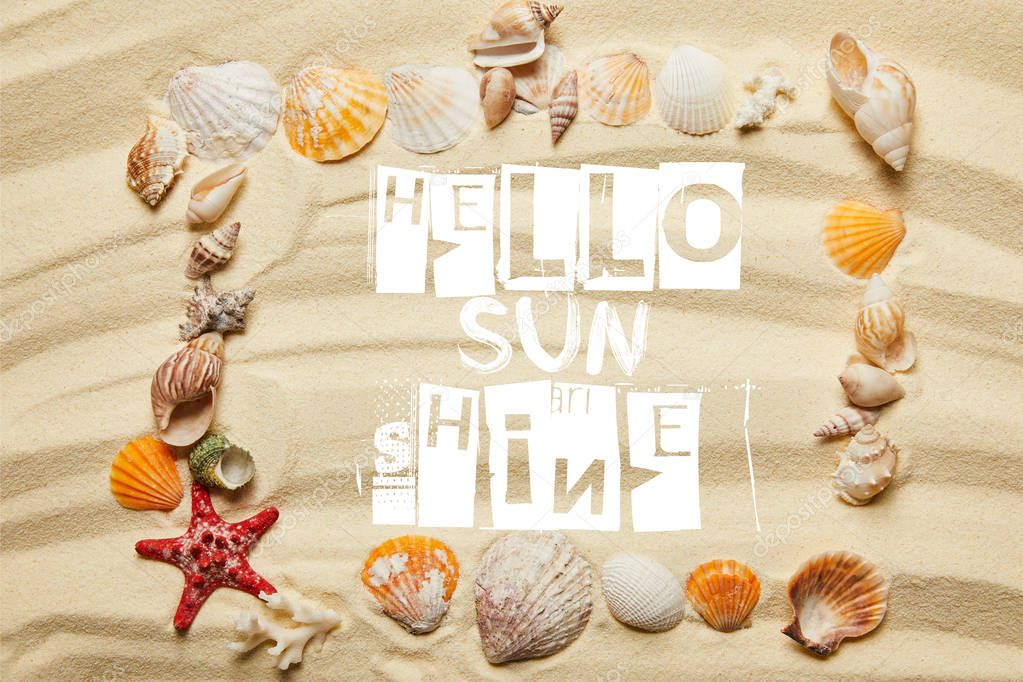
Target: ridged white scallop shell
x=431 y=108
x=535 y=82
x=865 y=467
x=642 y=593
x=532 y=596
x=229 y=111
x=693 y=95
x=615 y=90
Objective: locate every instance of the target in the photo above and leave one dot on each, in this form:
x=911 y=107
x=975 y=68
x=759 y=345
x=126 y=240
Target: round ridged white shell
x=535 y=82
x=692 y=92
x=642 y=593
x=431 y=108
x=229 y=111
x=865 y=468
x=532 y=596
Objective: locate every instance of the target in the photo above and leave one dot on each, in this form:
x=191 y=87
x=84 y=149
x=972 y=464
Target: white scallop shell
x=535 y=82
x=431 y=108
x=230 y=111
x=866 y=467
x=692 y=92
x=642 y=593
x=532 y=596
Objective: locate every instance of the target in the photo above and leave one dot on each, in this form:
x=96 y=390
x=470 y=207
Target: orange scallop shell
x=412 y=577
x=860 y=239
x=724 y=592
x=143 y=476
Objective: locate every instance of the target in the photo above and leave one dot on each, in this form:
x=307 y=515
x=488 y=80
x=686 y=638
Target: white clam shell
x=535 y=82
x=532 y=596
x=212 y=194
x=642 y=593
x=230 y=111
x=865 y=468
x=431 y=108
x=869 y=386
x=692 y=92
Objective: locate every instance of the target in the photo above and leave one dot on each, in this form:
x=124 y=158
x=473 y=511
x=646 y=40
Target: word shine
x=554 y=458
x=604 y=228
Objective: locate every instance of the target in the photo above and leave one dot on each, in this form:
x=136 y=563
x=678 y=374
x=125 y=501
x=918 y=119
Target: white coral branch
x=766 y=88
x=289 y=643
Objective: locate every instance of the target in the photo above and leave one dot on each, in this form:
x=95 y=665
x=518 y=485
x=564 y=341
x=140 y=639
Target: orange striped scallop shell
x=412 y=577
x=143 y=476
x=860 y=239
x=724 y=592
x=615 y=90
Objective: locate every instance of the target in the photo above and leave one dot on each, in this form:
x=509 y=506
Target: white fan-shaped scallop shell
x=532 y=596
x=515 y=33
x=615 y=90
x=431 y=108
x=866 y=467
x=880 y=336
x=642 y=593
x=535 y=82
x=877 y=93
x=693 y=95
x=230 y=111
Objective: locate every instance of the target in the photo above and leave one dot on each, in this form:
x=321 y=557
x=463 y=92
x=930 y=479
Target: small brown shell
x=833 y=596
x=497 y=95
x=212 y=250
x=564 y=105
x=183 y=390
x=156 y=159
x=724 y=592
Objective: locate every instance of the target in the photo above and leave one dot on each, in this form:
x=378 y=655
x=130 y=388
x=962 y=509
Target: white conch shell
x=212 y=194
x=869 y=386
x=156 y=159
x=497 y=95
x=564 y=105
x=230 y=111
x=866 y=467
x=212 y=250
x=535 y=82
x=880 y=336
x=877 y=93
x=289 y=643
x=692 y=92
x=431 y=108
x=615 y=90
x=642 y=593
x=532 y=596
x=847 y=421
x=514 y=35
x=183 y=390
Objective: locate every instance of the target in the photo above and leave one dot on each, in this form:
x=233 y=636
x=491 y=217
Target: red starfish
x=212 y=553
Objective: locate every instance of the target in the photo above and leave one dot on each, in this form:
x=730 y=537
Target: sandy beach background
x=93 y=292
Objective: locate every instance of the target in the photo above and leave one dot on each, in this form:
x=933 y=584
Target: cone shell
x=143 y=476
x=692 y=92
x=724 y=592
x=869 y=386
x=866 y=467
x=156 y=159
x=642 y=593
x=535 y=82
x=847 y=421
x=880 y=336
x=331 y=113
x=564 y=106
x=532 y=596
x=833 y=596
x=497 y=94
x=217 y=463
x=877 y=93
x=212 y=194
x=514 y=35
x=615 y=90
x=860 y=239
x=412 y=578
x=229 y=111
x=212 y=250
x=183 y=390
x=431 y=108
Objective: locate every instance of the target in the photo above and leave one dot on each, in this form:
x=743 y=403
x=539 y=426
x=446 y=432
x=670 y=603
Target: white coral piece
x=289 y=643
x=762 y=103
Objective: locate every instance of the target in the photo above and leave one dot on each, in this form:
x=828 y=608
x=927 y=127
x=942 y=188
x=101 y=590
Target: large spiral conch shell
x=866 y=467
x=693 y=95
x=143 y=476
x=860 y=239
x=497 y=95
x=431 y=108
x=532 y=596
x=331 y=113
x=869 y=386
x=156 y=159
x=880 y=336
x=217 y=463
x=212 y=250
x=724 y=592
x=833 y=596
x=183 y=390
x=514 y=35
x=412 y=578
x=212 y=194
x=847 y=421
x=877 y=93
x=615 y=90
x=642 y=593
x=535 y=82
x=230 y=111
x=564 y=105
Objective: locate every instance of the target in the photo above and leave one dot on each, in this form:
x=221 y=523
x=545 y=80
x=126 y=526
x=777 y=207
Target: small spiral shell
x=564 y=106
x=212 y=250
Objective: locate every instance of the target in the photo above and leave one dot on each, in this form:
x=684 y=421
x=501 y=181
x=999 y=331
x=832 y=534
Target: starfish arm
x=161 y=550
x=195 y=594
x=202 y=505
x=252 y=529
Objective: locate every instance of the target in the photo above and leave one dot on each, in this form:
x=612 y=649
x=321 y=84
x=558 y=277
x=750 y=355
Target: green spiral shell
x=217 y=463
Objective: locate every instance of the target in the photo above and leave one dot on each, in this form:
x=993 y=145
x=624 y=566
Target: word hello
x=553 y=456
x=605 y=228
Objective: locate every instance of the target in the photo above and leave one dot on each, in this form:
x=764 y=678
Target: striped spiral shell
x=212 y=250
x=847 y=421
x=564 y=106
x=188 y=377
x=156 y=159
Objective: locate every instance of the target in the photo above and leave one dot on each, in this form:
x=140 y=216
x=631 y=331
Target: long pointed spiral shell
x=156 y=159
x=212 y=250
x=847 y=421
x=564 y=106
